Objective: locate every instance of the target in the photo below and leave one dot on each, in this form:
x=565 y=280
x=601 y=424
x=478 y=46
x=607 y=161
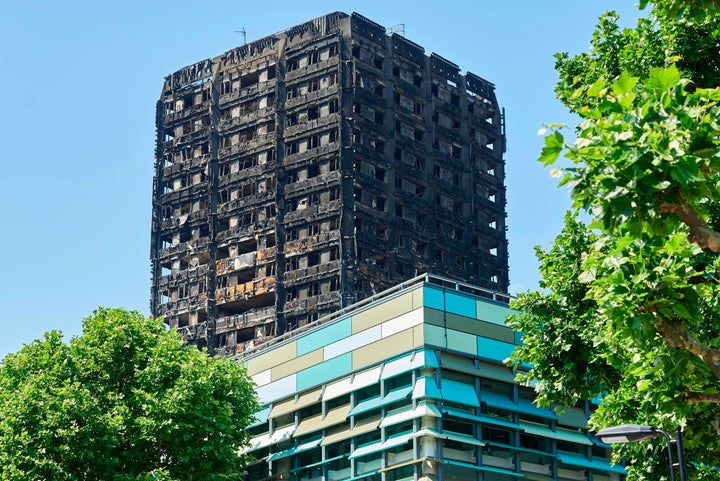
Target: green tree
x=126 y=400
x=632 y=300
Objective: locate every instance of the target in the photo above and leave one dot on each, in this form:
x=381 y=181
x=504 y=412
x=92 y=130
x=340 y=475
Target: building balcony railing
x=183 y=276
x=312 y=153
x=195 y=245
x=307 y=127
x=259 y=140
x=313 y=184
x=414 y=146
x=174 y=222
x=192 y=137
x=182 y=305
x=313 y=212
x=312 y=97
x=246 y=319
x=247 y=119
x=246 y=290
x=313 y=242
x=249 y=173
x=185 y=165
x=179 y=115
x=304 y=72
x=237 y=263
x=246 y=231
x=245 y=261
x=189 y=193
x=245 y=202
x=247 y=92
x=300 y=276
x=317 y=303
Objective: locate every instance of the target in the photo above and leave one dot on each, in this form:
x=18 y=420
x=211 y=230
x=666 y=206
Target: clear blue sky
x=79 y=84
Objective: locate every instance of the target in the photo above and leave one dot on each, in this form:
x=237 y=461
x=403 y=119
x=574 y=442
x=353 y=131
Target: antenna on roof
x=399 y=29
x=244 y=34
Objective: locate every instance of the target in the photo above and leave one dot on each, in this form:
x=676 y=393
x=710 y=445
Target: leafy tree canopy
x=630 y=304
x=126 y=400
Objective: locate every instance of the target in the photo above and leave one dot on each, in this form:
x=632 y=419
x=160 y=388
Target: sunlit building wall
x=411 y=385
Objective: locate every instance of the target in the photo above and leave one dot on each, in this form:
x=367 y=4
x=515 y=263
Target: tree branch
x=700 y=233
x=679 y=337
x=703 y=397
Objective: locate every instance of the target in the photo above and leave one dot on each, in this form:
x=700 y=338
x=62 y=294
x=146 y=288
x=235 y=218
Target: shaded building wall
x=307 y=170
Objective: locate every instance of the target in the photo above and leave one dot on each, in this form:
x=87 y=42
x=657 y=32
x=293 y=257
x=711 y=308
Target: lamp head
x=626 y=433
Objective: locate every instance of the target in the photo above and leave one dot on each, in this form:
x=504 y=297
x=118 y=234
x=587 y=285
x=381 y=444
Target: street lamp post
x=630 y=433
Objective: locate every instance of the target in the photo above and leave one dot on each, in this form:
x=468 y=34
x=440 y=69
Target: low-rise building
x=411 y=385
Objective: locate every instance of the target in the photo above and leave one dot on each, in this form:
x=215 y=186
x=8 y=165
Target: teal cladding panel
x=581 y=461
x=297 y=449
x=488 y=419
x=374 y=447
x=460 y=304
x=459 y=393
x=528 y=407
x=497 y=401
x=495 y=350
x=433 y=297
x=524 y=406
x=374 y=403
x=431 y=359
x=562 y=435
x=324 y=371
x=322 y=337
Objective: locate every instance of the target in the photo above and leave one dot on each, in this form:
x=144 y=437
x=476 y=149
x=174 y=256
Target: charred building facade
x=305 y=171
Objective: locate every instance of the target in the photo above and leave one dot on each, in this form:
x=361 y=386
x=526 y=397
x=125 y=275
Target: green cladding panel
x=490 y=312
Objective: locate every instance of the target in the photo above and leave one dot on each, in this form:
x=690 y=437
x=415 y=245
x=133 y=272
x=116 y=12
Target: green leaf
x=586 y=277
x=663 y=79
x=597 y=89
x=551 y=150
x=686 y=171
x=624 y=84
